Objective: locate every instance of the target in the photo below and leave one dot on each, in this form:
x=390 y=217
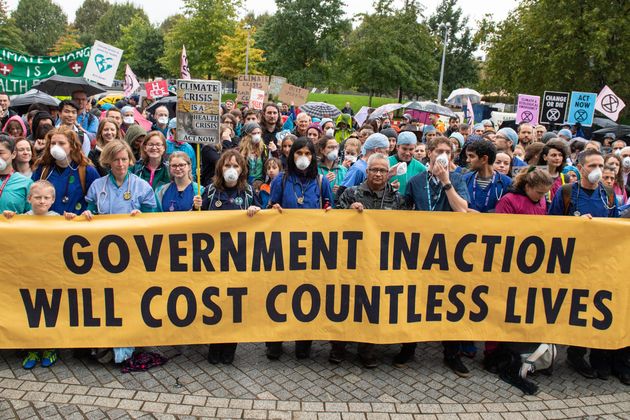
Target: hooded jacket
x=341 y=135
x=18 y=119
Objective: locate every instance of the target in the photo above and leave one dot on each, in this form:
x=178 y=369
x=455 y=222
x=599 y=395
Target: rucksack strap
x=82 y=174
x=566 y=190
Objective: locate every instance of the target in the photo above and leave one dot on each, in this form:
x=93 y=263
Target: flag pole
x=198 y=172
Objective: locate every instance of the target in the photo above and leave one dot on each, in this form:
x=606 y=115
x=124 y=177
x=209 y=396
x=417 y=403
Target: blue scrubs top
x=595 y=204
x=485 y=200
x=295 y=189
x=356 y=174
x=105 y=197
x=427 y=195
x=170 y=199
x=67 y=184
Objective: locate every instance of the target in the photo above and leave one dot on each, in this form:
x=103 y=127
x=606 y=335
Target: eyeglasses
x=154 y=146
x=378 y=170
x=179 y=165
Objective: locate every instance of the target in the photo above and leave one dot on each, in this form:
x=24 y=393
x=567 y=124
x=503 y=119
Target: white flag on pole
x=609 y=104
x=470 y=115
x=131 y=82
x=184 y=70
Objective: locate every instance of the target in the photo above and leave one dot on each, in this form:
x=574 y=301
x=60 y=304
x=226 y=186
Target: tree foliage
x=41 y=22
x=87 y=18
x=303 y=39
x=232 y=53
x=391 y=51
x=460 y=69
x=582 y=46
x=109 y=27
x=202 y=28
x=143 y=45
x=67 y=42
x=10 y=34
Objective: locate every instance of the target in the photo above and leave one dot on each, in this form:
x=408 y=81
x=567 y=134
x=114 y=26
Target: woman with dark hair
x=618 y=186
x=42 y=123
x=229 y=190
x=299 y=187
x=554 y=155
x=65 y=166
x=527 y=193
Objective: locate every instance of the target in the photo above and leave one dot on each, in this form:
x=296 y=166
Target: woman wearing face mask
x=328 y=127
x=229 y=190
x=299 y=187
x=106 y=132
x=253 y=149
x=151 y=167
x=23 y=162
x=128 y=117
x=65 y=166
x=328 y=165
x=615 y=162
x=120 y=192
x=181 y=194
x=14 y=186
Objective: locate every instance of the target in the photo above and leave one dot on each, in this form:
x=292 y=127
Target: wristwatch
x=448 y=186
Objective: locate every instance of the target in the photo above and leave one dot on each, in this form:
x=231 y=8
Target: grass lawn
x=357 y=101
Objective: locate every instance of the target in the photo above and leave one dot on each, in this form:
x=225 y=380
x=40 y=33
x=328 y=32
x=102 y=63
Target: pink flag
x=185 y=71
x=609 y=104
x=470 y=115
x=131 y=82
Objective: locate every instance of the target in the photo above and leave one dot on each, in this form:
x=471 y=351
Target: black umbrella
x=65 y=85
x=169 y=102
x=20 y=103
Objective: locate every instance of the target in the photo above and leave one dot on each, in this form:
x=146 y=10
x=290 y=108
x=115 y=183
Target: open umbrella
x=320 y=110
x=459 y=97
x=65 y=85
x=430 y=108
x=169 y=102
x=33 y=96
x=385 y=109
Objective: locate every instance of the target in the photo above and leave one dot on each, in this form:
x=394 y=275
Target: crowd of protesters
x=83 y=160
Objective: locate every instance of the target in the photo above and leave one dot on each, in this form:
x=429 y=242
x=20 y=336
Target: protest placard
x=157 y=89
x=198 y=103
x=527 y=109
x=554 y=107
x=293 y=94
x=103 y=63
x=257 y=99
x=275 y=85
x=245 y=84
x=582 y=108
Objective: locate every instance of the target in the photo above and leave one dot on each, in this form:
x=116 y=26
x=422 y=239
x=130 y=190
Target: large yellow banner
x=376 y=276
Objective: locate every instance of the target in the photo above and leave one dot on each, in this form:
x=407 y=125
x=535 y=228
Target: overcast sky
x=160 y=10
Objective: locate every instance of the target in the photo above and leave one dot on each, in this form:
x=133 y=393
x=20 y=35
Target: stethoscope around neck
x=103 y=194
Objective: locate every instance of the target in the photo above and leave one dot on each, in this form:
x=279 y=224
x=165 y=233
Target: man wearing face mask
x=406 y=166
x=589 y=198
x=161 y=117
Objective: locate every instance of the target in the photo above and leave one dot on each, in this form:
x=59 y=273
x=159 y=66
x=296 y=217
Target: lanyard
x=5 y=182
x=474 y=194
x=437 y=199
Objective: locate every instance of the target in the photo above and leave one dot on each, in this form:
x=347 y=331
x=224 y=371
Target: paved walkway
x=187 y=386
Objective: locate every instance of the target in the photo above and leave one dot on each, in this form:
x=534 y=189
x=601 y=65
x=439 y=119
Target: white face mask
x=302 y=162
x=442 y=159
x=617 y=152
x=330 y=132
x=256 y=138
x=351 y=158
x=332 y=155
x=401 y=169
x=3 y=164
x=58 y=153
x=595 y=176
x=163 y=120
x=626 y=162
x=128 y=120
x=230 y=175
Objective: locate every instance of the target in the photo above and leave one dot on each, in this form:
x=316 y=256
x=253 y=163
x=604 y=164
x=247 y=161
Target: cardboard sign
x=198 y=103
x=157 y=89
x=554 y=107
x=257 y=99
x=245 y=84
x=103 y=63
x=582 y=108
x=527 y=110
x=609 y=104
x=290 y=93
x=275 y=85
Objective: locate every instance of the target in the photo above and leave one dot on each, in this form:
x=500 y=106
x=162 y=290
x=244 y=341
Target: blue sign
x=582 y=108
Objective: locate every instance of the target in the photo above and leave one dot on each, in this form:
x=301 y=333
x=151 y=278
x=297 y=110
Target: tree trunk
x=400 y=94
x=370 y=100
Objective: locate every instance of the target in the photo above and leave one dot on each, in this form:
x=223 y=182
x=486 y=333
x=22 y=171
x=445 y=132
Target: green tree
x=143 y=45
x=201 y=30
x=303 y=39
x=390 y=51
x=10 y=34
x=583 y=48
x=87 y=17
x=169 y=23
x=460 y=69
x=232 y=53
x=42 y=22
x=67 y=42
x=109 y=27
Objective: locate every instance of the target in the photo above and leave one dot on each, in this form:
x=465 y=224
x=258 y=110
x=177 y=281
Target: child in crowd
x=273 y=167
x=351 y=152
x=41 y=197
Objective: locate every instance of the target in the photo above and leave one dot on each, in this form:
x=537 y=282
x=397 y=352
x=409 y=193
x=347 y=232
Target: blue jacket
x=287 y=192
x=485 y=201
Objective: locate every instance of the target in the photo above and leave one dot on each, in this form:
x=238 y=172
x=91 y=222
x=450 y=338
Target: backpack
x=567 y=189
x=82 y=173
